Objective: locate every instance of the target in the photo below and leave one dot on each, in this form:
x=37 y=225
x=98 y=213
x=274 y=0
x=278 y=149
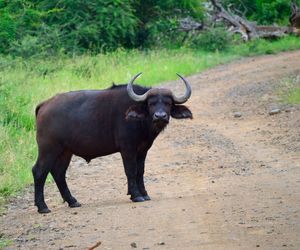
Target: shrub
x=159 y=21
x=27 y=47
x=80 y=25
x=263 y=11
x=211 y=40
x=76 y=26
x=164 y=34
x=92 y=25
x=7 y=31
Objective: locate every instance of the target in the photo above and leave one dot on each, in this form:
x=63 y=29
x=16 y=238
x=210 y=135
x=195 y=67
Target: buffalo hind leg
x=140 y=175
x=40 y=171
x=59 y=175
x=130 y=166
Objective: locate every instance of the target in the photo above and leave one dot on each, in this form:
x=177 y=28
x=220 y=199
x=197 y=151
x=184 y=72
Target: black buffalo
x=93 y=123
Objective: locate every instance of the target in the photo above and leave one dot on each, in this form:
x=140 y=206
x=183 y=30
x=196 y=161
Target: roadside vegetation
x=294 y=97
x=291 y=91
x=4 y=242
x=47 y=47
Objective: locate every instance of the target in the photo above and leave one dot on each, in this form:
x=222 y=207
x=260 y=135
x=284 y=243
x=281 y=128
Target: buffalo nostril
x=160 y=115
x=164 y=115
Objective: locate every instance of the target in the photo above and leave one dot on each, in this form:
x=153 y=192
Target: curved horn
x=132 y=95
x=186 y=96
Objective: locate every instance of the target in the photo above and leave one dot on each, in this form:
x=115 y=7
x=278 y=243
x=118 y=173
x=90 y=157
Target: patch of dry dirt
x=216 y=182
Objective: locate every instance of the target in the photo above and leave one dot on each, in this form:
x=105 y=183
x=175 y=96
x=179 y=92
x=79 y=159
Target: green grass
x=4 y=243
x=25 y=83
x=290 y=89
x=294 y=96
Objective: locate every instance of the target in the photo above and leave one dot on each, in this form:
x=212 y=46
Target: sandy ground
x=216 y=182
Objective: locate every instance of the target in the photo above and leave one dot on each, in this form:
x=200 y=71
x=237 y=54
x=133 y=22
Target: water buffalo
x=93 y=123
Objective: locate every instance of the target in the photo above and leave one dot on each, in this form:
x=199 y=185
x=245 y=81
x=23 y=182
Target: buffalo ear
x=181 y=112
x=135 y=113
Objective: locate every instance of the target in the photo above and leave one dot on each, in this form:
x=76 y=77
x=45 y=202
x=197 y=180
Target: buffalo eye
x=168 y=103
x=151 y=104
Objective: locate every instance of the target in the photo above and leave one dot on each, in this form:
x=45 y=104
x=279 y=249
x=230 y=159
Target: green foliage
x=163 y=33
x=7 y=30
x=213 y=39
x=159 y=21
x=42 y=28
x=30 y=27
x=94 y=24
x=151 y=10
x=4 y=243
x=270 y=11
x=28 y=46
x=263 y=11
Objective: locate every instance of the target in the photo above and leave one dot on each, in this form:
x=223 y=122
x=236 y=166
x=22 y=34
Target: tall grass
x=25 y=83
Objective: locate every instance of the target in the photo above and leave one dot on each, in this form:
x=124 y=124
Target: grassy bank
x=24 y=83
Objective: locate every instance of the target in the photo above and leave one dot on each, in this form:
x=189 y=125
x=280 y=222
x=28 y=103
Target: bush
x=269 y=12
x=27 y=47
x=46 y=42
x=213 y=39
x=7 y=31
x=164 y=34
x=92 y=25
x=263 y=11
x=159 y=21
x=76 y=26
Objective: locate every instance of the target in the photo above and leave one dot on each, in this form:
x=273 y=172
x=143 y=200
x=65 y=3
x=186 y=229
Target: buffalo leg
x=59 y=175
x=140 y=175
x=40 y=171
x=130 y=166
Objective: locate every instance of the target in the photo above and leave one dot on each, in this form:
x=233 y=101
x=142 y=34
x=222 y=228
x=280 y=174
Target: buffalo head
x=158 y=104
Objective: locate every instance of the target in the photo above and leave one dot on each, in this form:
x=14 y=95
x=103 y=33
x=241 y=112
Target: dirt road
x=216 y=182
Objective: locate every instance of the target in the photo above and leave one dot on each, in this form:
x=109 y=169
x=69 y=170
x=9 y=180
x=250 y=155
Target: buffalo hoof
x=75 y=204
x=44 y=210
x=138 y=199
x=146 y=197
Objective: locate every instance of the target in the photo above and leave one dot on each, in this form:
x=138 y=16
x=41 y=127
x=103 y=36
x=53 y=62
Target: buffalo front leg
x=130 y=166
x=140 y=175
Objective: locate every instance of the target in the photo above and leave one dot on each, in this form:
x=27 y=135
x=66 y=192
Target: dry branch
x=188 y=24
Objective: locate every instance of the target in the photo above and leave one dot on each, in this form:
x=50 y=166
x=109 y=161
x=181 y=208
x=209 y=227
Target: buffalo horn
x=141 y=98
x=134 y=96
x=186 y=96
